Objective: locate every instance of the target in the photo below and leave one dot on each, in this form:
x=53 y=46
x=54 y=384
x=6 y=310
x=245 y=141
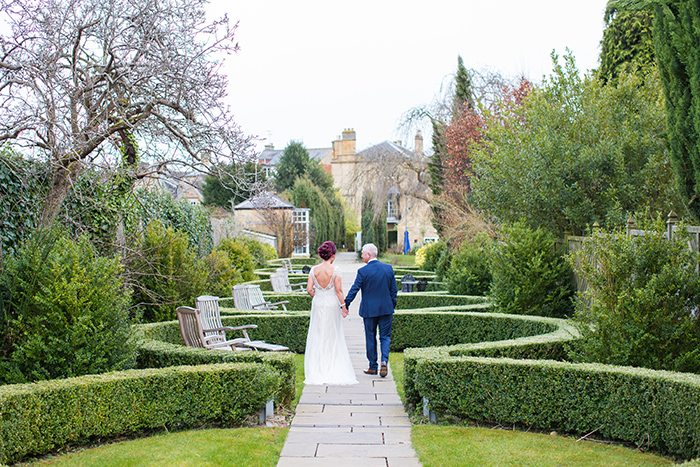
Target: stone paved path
x=348 y=426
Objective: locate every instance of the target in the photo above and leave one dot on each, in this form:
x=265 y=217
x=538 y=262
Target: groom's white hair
x=370 y=248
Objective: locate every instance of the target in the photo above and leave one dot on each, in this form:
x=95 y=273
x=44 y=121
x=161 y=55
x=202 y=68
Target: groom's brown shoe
x=383 y=370
x=370 y=372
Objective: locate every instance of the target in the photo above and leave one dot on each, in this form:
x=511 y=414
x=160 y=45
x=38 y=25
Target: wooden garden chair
x=201 y=327
x=280 y=282
x=251 y=298
x=287 y=263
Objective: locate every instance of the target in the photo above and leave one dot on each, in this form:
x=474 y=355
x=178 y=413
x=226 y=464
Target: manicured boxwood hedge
x=409 y=301
x=297 y=263
x=39 y=418
x=657 y=410
x=297 y=300
x=516 y=336
x=163 y=346
x=420 y=329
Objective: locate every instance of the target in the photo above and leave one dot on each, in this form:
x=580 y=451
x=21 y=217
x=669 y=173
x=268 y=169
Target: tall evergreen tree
x=325 y=217
x=677 y=45
x=436 y=169
x=677 y=49
x=366 y=218
x=627 y=43
x=295 y=162
x=464 y=96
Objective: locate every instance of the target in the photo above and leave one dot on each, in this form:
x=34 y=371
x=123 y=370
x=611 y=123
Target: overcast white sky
x=309 y=69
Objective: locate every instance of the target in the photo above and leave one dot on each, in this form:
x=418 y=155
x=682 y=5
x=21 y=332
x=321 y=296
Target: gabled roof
x=385 y=147
x=264 y=200
x=274 y=155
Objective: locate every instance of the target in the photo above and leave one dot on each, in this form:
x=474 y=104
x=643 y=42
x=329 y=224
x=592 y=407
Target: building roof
x=272 y=156
x=385 y=147
x=264 y=200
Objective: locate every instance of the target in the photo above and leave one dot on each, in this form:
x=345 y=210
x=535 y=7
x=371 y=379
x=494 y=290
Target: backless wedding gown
x=327 y=360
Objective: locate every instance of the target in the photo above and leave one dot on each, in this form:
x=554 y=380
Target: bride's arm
x=310 y=285
x=338 y=283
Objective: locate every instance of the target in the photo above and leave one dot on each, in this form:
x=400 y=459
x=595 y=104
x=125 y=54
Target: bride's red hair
x=326 y=250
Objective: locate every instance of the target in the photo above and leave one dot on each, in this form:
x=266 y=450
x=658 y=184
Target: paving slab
x=346 y=426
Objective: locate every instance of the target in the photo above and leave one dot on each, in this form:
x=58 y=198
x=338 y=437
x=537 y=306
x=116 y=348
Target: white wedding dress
x=327 y=360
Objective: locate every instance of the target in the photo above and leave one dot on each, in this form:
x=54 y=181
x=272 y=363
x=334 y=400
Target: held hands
x=344 y=311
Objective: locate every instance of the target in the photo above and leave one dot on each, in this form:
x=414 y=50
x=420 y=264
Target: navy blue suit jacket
x=378 y=285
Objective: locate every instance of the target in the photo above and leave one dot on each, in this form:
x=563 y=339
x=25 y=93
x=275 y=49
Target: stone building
x=355 y=172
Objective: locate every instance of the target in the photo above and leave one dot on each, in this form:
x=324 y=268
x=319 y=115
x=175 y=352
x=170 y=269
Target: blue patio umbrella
x=406 y=243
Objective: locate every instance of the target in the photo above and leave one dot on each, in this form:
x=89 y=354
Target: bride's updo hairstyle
x=326 y=250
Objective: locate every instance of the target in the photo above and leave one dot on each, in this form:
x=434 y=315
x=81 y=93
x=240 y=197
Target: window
x=391 y=213
x=300 y=218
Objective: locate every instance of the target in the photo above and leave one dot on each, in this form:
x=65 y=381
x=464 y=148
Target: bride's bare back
x=324 y=273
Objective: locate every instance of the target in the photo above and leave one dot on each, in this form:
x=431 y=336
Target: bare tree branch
x=80 y=78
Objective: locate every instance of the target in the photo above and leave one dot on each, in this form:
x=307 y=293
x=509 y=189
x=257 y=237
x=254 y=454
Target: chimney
x=345 y=144
x=418 y=147
x=270 y=146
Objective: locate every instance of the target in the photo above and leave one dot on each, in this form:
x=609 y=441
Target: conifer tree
x=677 y=49
x=677 y=45
x=464 y=96
x=627 y=43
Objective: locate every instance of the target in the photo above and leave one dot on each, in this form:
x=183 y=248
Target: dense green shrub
x=222 y=275
x=641 y=304
x=470 y=270
x=169 y=273
x=262 y=252
x=432 y=252
x=529 y=274
x=65 y=311
x=240 y=255
x=42 y=417
x=443 y=264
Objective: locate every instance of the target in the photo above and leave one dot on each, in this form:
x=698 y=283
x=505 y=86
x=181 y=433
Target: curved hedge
x=655 y=409
x=162 y=346
x=404 y=301
x=41 y=417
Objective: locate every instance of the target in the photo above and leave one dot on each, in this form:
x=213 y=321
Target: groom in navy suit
x=378 y=285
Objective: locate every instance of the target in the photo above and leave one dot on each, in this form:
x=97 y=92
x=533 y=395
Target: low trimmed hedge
x=411 y=301
x=515 y=336
x=42 y=417
x=654 y=409
x=404 y=301
x=276 y=328
x=297 y=300
x=296 y=262
x=421 y=329
x=163 y=346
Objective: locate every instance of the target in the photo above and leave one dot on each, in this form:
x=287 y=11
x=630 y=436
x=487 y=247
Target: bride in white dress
x=326 y=359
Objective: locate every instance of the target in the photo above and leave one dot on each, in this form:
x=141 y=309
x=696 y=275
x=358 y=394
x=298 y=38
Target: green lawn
x=214 y=447
x=447 y=446
x=437 y=446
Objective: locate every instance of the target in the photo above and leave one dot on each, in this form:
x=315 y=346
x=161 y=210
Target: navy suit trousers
x=372 y=324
